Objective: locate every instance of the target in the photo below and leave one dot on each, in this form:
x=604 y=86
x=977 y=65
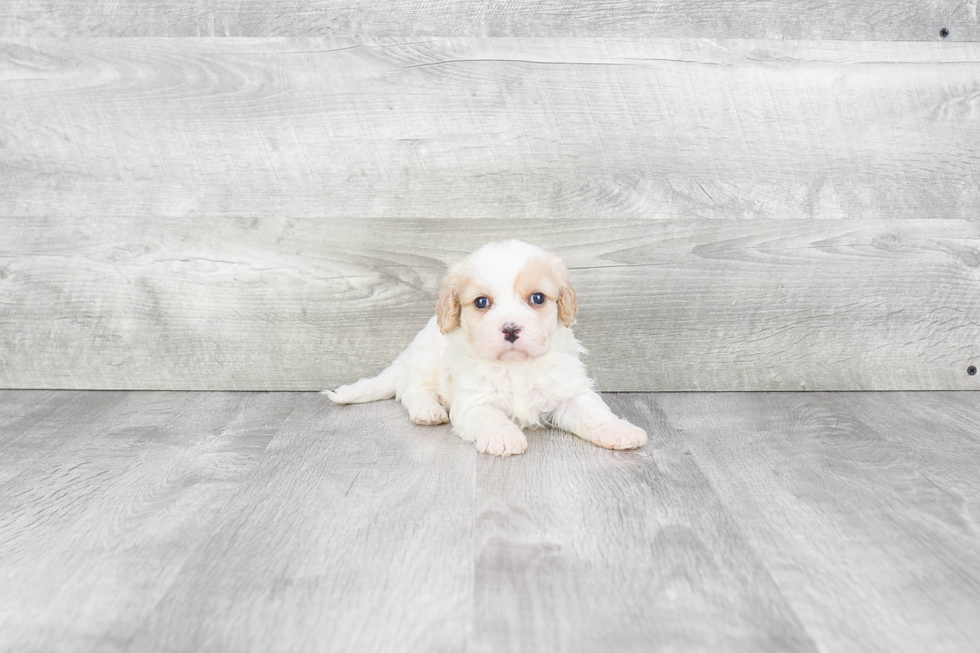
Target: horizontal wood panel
x=300 y=304
x=489 y=128
x=775 y=19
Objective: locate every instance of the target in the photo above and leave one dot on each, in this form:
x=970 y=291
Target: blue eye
x=537 y=298
x=481 y=302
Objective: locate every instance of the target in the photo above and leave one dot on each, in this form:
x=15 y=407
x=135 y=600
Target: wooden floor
x=151 y=521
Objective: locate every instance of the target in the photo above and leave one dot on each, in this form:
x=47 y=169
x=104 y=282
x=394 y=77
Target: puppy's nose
x=510 y=331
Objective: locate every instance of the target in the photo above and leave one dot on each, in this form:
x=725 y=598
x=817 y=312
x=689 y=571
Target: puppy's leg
x=587 y=416
x=418 y=386
x=489 y=429
x=424 y=407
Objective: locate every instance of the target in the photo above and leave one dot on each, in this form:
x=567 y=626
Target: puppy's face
x=508 y=299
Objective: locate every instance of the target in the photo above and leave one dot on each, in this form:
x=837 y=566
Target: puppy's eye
x=537 y=298
x=481 y=302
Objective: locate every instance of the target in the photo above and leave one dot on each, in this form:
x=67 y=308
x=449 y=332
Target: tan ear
x=567 y=299
x=447 y=306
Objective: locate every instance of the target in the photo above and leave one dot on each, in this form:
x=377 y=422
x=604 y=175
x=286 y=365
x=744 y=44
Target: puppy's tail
x=380 y=387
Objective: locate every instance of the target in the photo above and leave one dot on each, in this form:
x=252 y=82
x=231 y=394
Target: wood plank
x=287 y=304
x=489 y=127
x=582 y=549
x=775 y=19
x=280 y=522
x=99 y=513
x=863 y=545
x=940 y=439
x=37 y=425
x=355 y=532
x=20 y=410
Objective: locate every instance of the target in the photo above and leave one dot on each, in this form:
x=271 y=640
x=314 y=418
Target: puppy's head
x=508 y=299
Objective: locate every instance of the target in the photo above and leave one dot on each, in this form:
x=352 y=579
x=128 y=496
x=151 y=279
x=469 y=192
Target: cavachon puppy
x=499 y=356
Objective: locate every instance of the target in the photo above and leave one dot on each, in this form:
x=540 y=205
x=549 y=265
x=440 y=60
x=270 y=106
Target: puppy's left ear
x=567 y=299
x=447 y=306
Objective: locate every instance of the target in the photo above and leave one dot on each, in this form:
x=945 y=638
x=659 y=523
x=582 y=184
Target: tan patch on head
x=549 y=276
x=470 y=288
x=455 y=305
x=537 y=276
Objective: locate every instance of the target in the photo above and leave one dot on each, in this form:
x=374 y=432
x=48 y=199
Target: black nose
x=510 y=331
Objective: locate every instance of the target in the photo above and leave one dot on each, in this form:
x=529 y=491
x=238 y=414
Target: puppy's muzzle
x=510 y=331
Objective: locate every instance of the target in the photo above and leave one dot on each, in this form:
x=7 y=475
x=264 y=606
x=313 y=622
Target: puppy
x=499 y=356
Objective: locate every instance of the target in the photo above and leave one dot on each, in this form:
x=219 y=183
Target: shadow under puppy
x=499 y=356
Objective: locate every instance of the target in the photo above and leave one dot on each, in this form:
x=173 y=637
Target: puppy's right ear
x=447 y=307
x=567 y=299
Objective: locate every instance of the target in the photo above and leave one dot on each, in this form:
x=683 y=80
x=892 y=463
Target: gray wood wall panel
x=668 y=304
x=773 y=19
x=486 y=128
x=277 y=213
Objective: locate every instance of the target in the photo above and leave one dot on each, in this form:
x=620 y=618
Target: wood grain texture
x=275 y=214
x=941 y=437
x=109 y=496
x=290 y=304
x=272 y=522
x=774 y=19
x=489 y=128
x=354 y=532
x=835 y=496
x=561 y=520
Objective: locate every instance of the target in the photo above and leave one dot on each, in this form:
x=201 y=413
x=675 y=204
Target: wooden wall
x=751 y=195
x=881 y=20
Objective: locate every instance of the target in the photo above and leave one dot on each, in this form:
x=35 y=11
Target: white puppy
x=499 y=356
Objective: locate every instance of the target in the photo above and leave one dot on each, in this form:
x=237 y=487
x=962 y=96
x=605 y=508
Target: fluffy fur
x=495 y=370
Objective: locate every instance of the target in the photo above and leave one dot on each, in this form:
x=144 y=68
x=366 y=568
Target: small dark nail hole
x=972 y=370
x=944 y=32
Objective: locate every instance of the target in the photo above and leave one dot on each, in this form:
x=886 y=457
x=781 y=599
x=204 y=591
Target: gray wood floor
x=277 y=521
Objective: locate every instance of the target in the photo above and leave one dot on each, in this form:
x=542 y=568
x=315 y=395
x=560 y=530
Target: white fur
x=492 y=388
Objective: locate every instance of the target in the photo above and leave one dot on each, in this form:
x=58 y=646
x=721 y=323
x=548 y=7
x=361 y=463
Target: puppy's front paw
x=509 y=442
x=619 y=435
x=428 y=413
